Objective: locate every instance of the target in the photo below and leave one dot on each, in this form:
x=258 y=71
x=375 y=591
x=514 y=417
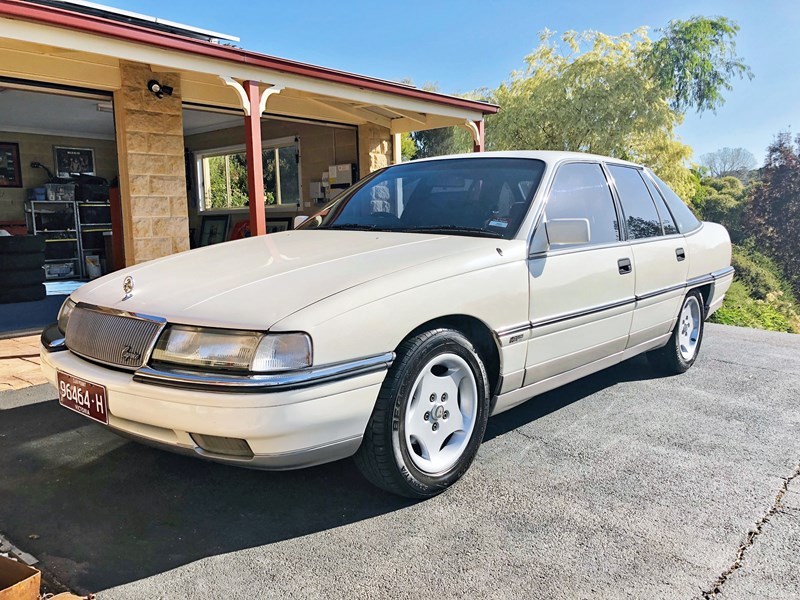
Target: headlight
x=234 y=350
x=64 y=313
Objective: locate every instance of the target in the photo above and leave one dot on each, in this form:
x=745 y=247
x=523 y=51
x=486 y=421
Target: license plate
x=84 y=397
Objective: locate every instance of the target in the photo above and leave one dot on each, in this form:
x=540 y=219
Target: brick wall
x=151 y=165
x=374 y=148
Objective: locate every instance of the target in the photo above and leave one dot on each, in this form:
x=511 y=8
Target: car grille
x=112 y=337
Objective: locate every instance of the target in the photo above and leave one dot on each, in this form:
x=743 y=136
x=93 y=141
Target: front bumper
x=286 y=429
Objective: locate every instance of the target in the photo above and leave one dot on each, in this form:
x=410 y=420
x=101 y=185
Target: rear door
x=581 y=295
x=659 y=255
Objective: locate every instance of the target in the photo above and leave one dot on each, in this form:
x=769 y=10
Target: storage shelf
x=61 y=240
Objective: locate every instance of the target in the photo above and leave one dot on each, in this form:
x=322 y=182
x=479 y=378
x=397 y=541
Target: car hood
x=256 y=282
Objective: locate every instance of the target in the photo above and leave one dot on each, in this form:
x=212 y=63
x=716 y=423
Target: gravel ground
x=622 y=485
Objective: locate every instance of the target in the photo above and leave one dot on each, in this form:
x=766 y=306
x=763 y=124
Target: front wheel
x=683 y=346
x=430 y=416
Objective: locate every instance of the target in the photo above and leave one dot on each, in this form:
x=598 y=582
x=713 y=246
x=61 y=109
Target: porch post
x=255 y=163
x=480 y=143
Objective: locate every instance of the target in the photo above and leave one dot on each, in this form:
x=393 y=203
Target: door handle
x=625 y=266
x=680 y=254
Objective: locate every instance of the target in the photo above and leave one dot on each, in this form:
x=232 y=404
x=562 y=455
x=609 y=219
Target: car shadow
x=634 y=369
x=101 y=511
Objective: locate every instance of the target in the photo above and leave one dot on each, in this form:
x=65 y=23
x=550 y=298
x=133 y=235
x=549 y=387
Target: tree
x=408 y=149
x=621 y=96
x=723 y=200
x=694 y=61
x=736 y=162
x=441 y=141
x=588 y=92
x=773 y=214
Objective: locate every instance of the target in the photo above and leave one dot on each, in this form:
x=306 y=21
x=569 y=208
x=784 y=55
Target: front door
x=581 y=295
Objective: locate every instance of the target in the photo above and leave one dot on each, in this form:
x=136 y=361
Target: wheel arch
x=705 y=292
x=481 y=335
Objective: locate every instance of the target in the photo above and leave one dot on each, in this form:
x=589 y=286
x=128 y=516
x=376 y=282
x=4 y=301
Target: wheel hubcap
x=689 y=328
x=441 y=413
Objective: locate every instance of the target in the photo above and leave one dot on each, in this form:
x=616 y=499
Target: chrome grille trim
x=107 y=335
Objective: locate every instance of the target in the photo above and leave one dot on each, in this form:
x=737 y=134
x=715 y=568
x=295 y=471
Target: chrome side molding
x=163 y=375
x=691 y=283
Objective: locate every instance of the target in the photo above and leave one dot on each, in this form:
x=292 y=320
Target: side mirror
x=568 y=231
x=299 y=219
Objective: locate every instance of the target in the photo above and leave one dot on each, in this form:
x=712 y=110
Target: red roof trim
x=58 y=17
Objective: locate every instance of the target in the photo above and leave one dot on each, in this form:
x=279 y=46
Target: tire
x=28 y=293
x=421 y=407
x=21 y=244
x=16 y=279
x=683 y=347
x=19 y=262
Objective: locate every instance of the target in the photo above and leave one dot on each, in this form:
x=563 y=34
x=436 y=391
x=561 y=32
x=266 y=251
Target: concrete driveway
x=623 y=485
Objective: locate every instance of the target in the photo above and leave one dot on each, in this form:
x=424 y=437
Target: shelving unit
x=72 y=231
x=57 y=222
x=94 y=219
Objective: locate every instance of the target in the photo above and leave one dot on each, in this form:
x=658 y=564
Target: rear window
x=683 y=215
x=641 y=217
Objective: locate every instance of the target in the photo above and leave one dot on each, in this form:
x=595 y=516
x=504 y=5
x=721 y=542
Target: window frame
x=640 y=170
x=663 y=197
x=272 y=144
x=534 y=252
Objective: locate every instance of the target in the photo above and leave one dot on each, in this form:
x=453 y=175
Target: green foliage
x=236 y=166
x=741 y=309
x=759 y=297
x=773 y=212
x=408 y=149
x=723 y=200
x=694 y=61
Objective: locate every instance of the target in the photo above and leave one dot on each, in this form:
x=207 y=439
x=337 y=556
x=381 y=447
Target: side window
x=641 y=216
x=663 y=211
x=580 y=191
x=684 y=218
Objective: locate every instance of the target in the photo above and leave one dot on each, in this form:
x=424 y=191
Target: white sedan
x=392 y=324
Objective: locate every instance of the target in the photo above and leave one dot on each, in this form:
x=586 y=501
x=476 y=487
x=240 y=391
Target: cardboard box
x=18 y=581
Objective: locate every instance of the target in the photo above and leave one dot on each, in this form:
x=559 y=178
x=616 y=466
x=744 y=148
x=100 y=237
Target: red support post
x=255 y=163
x=480 y=145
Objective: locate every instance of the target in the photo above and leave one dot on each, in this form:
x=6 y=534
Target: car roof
x=548 y=156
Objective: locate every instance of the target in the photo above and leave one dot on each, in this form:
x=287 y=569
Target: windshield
x=485 y=197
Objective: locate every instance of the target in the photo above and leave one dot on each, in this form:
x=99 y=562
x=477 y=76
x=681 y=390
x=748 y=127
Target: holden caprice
x=392 y=324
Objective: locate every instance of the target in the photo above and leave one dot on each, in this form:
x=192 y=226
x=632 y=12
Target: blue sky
x=465 y=45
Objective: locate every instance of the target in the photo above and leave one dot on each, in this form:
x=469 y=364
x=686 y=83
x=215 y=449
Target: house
x=180 y=120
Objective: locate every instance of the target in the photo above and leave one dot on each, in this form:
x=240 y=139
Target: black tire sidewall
x=443 y=342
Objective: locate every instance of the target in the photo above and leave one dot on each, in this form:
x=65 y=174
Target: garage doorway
x=58 y=166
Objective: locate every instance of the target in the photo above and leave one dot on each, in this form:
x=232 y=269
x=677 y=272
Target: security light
x=158 y=89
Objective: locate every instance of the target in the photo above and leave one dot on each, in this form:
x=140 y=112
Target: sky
x=465 y=45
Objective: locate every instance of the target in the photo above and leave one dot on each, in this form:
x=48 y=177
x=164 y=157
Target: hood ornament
x=127 y=287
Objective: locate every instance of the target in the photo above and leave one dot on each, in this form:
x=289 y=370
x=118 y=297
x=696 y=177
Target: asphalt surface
x=622 y=485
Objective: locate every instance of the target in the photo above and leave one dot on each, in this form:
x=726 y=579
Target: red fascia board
x=19 y=9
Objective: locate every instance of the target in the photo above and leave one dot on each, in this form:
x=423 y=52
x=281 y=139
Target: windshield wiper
x=353 y=226
x=454 y=229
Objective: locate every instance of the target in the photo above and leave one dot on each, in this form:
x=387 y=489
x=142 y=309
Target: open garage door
x=58 y=162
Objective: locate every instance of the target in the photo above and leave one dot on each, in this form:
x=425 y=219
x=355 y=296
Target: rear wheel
x=684 y=345
x=430 y=416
